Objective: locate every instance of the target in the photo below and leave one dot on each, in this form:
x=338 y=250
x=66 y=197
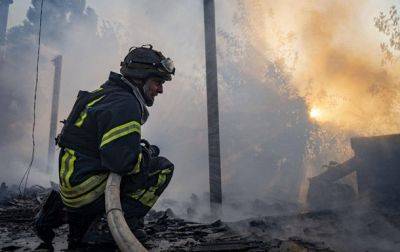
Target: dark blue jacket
x=103 y=136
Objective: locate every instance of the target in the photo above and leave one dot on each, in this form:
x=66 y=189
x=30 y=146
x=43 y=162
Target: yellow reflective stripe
x=83 y=114
x=90 y=104
x=120 y=131
x=85 y=186
x=86 y=198
x=85 y=192
x=81 y=118
x=67 y=163
x=136 y=195
x=149 y=198
x=165 y=171
x=136 y=168
x=70 y=167
x=63 y=168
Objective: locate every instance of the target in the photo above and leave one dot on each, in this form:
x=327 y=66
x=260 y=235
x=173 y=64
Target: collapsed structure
x=376 y=163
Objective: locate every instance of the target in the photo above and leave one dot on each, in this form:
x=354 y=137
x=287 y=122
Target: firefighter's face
x=152 y=87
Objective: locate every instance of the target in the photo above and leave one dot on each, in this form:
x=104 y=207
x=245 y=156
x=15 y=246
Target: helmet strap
x=141 y=85
x=145 y=92
x=137 y=82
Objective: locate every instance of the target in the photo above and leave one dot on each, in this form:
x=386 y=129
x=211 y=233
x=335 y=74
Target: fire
x=315 y=113
x=333 y=62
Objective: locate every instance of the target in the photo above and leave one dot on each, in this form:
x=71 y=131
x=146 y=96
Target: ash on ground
x=350 y=228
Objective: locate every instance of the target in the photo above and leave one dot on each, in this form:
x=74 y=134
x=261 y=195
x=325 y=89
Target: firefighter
x=102 y=134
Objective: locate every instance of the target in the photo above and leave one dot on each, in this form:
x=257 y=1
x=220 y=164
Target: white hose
x=123 y=236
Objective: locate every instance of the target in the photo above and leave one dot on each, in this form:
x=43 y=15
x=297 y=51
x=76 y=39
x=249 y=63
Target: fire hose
x=120 y=231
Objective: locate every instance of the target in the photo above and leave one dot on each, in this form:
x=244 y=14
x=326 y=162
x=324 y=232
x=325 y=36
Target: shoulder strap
x=83 y=98
x=67 y=136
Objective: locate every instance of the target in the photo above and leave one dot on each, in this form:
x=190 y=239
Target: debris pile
x=169 y=233
x=15 y=208
x=376 y=168
x=18 y=211
x=355 y=228
x=165 y=231
x=16 y=216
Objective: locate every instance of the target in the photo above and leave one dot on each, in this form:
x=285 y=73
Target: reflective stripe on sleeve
x=120 y=131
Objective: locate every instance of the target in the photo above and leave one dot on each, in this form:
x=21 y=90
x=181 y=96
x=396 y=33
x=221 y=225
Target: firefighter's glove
x=149 y=150
x=154 y=151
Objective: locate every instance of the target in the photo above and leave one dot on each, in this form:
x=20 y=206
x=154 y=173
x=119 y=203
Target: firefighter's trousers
x=138 y=194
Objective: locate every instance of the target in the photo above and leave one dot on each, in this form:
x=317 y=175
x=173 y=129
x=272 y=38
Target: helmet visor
x=168 y=65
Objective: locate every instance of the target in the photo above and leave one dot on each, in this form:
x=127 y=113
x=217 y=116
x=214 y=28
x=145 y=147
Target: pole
x=212 y=107
x=57 y=61
x=4 y=6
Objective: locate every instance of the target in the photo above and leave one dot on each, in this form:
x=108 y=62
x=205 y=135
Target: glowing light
x=315 y=113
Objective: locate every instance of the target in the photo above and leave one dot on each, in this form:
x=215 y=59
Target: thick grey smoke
x=264 y=128
x=267 y=139
x=68 y=28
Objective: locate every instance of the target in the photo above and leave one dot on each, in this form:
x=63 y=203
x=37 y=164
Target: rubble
x=345 y=229
x=166 y=232
x=376 y=167
x=355 y=228
x=174 y=234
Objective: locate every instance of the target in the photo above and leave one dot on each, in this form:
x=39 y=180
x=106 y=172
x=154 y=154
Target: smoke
x=338 y=72
x=352 y=229
x=68 y=28
x=330 y=52
x=335 y=70
x=277 y=62
x=92 y=46
x=349 y=86
x=264 y=128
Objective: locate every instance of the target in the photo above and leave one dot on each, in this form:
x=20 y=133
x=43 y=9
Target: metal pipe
x=120 y=230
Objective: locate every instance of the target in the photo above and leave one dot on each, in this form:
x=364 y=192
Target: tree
x=388 y=24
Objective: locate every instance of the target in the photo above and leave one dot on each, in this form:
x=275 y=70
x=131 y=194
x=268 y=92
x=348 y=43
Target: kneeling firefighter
x=102 y=134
